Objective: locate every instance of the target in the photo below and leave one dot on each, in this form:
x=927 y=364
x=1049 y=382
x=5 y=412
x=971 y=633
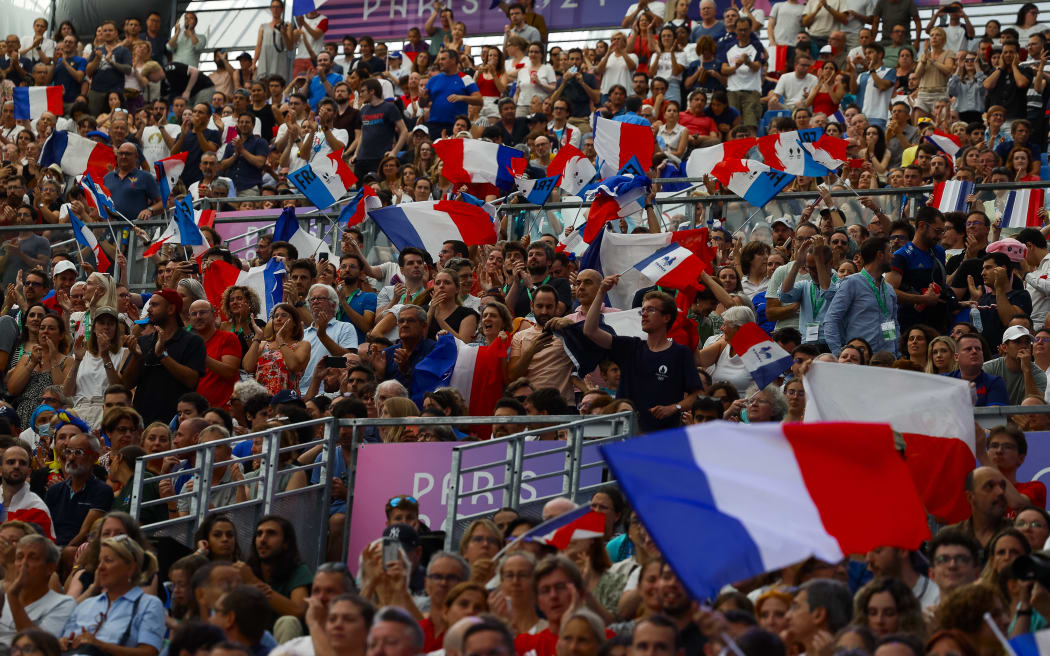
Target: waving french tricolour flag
x=169 y=170
x=77 y=155
x=617 y=143
x=1022 y=208
x=827 y=151
x=324 y=180
x=582 y=523
x=764 y=359
x=946 y=143
x=183 y=229
x=1031 y=644
x=616 y=196
x=703 y=160
x=87 y=239
x=950 y=196
x=267 y=280
x=672 y=266
x=96 y=195
x=428 y=224
x=473 y=161
x=356 y=211
x=288 y=229
x=784 y=152
x=476 y=371
x=31 y=102
x=728 y=501
x=575 y=169
x=751 y=180
x=537 y=191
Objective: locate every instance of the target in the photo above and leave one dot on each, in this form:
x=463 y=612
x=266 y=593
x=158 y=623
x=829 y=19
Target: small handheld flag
x=672 y=266
x=539 y=191
x=1022 y=208
x=765 y=359
x=324 y=180
x=86 y=239
x=950 y=196
x=356 y=211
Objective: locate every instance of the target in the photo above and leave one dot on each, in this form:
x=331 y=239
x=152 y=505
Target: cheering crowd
x=99 y=373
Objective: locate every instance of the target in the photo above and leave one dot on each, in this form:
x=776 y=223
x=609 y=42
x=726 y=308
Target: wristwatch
x=678 y=406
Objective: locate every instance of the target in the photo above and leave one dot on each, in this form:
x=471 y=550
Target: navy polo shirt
x=68 y=510
x=990 y=389
x=243 y=174
x=70 y=86
x=191 y=144
x=132 y=193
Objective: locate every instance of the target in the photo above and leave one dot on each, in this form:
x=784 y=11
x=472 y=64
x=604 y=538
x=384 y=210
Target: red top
x=211 y=387
x=704 y=125
x=1035 y=491
x=487 y=86
x=431 y=642
x=823 y=104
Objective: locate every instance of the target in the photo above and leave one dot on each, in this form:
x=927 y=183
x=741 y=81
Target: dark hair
x=512 y=403
x=411 y=250
x=293 y=252
x=250 y=608
x=664 y=622
x=200 y=404
x=42 y=640
x=1031 y=236
x=954 y=537
x=227 y=418
x=667 y=304
x=489 y=622
x=834 y=597
x=209 y=522
x=1014 y=433
x=193 y=635
x=288 y=558
x=871 y=247
x=548 y=400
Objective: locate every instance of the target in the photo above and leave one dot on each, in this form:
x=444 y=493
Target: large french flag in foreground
x=267 y=280
x=765 y=359
x=324 y=180
x=77 y=155
x=1022 y=207
x=751 y=180
x=1032 y=644
x=950 y=196
x=288 y=229
x=933 y=413
x=617 y=143
x=579 y=524
x=575 y=169
x=727 y=501
x=703 y=160
x=86 y=239
x=476 y=371
x=673 y=266
x=428 y=224
x=356 y=211
x=472 y=161
x=31 y=102
x=169 y=170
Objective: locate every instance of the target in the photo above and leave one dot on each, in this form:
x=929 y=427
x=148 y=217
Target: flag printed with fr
x=324 y=180
x=950 y=196
x=536 y=191
x=1022 y=208
x=31 y=102
x=727 y=501
x=765 y=359
x=266 y=280
x=933 y=413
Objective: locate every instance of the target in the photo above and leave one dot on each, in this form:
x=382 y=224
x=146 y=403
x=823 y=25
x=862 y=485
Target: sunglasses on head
x=396 y=501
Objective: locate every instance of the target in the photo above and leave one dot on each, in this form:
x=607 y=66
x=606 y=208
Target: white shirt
x=49 y=613
x=823 y=23
x=877 y=101
x=1038 y=285
x=153 y=147
x=527 y=90
x=660 y=62
x=193 y=189
x=342 y=333
x=788 y=17
x=616 y=72
x=795 y=89
x=320 y=148
x=955 y=38
x=317 y=45
x=47 y=45
x=744 y=79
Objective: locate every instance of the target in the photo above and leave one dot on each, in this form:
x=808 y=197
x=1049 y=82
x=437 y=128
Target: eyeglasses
x=794 y=393
x=1002 y=446
x=1040 y=340
x=76 y=453
x=898 y=237
x=556 y=588
x=962 y=559
x=1035 y=523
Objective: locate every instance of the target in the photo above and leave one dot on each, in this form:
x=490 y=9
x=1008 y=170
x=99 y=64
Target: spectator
x=108 y=65
x=275 y=562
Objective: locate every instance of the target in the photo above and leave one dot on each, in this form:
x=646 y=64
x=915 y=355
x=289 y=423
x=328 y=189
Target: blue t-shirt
x=107 y=77
x=918 y=269
x=243 y=174
x=317 y=90
x=443 y=85
x=361 y=302
x=727 y=117
x=70 y=86
x=990 y=389
x=132 y=193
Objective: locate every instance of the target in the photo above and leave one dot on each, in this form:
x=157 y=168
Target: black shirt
x=652 y=378
x=68 y=510
x=177 y=76
x=191 y=144
x=378 y=130
x=158 y=391
x=1009 y=95
x=517 y=134
x=523 y=304
x=267 y=123
x=579 y=101
x=991 y=326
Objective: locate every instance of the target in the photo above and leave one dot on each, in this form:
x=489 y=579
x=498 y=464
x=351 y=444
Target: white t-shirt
x=657 y=8
x=876 y=102
x=317 y=45
x=660 y=64
x=863 y=7
x=46 y=44
x=193 y=189
x=153 y=146
x=616 y=72
x=320 y=148
x=788 y=16
x=527 y=90
x=955 y=38
x=1024 y=32
x=744 y=79
x=49 y=613
x=793 y=89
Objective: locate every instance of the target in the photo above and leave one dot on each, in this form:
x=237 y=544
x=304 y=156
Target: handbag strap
x=127 y=629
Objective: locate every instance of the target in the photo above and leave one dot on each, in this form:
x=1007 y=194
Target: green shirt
x=147 y=514
x=300 y=577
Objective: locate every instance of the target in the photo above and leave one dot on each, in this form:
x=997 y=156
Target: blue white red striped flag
x=324 y=180
x=31 y=102
x=289 y=229
x=764 y=359
x=617 y=143
x=1022 y=207
x=428 y=224
x=1032 y=644
x=672 y=266
x=87 y=239
x=579 y=524
x=356 y=211
x=751 y=180
x=950 y=196
x=476 y=371
x=169 y=170
x=96 y=195
x=946 y=143
x=77 y=155
x=472 y=161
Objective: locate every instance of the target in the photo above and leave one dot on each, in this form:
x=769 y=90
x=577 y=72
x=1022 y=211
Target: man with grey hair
x=326 y=335
x=31 y=603
x=78 y=501
x=398 y=360
x=224 y=470
x=819 y=610
x=445 y=571
x=135 y=192
x=394 y=633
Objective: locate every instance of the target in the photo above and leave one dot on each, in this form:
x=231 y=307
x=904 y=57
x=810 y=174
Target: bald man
x=556 y=507
x=223 y=355
x=135 y=192
x=986 y=493
x=585 y=290
x=186 y=435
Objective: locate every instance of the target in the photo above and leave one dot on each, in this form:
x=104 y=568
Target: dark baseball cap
x=404 y=534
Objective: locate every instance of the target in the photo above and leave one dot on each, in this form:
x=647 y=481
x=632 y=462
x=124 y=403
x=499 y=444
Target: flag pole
x=999 y=634
x=731 y=644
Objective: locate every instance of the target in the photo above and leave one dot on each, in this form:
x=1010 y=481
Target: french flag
x=356 y=211
x=764 y=359
x=614 y=197
x=537 y=191
x=77 y=155
x=672 y=266
x=428 y=224
x=950 y=196
x=472 y=161
x=32 y=102
x=324 y=180
x=267 y=280
x=87 y=239
x=1022 y=207
x=29 y=508
x=288 y=229
x=727 y=501
x=751 y=180
x=303 y=7
x=581 y=523
x=784 y=152
x=169 y=170
x=617 y=143
x=476 y=371
x=940 y=444
x=946 y=143
x=575 y=169
x=1031 y=644
x=828 y=151
x=182 y=229
x=96 y=195
x=780 y=58
x=703 y=160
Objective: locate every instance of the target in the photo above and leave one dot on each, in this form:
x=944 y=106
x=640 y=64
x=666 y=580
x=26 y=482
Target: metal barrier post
x=136 y=485
x=576 y=449
x=201 y=501
x=453 y=498
x=272 y=453
x=517 y=472
x=328 y=454
x=351 y=478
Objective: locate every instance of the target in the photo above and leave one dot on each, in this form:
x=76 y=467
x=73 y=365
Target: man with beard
x=986 y=493
x=896 y=563
x=537 y=353
x=356 y=305
x=78 y=501
x=676 y=605
x=865 y=305
x=275 y=566
x=533 y=273
x=222 y=354
x=916 y=267
x=21 y=504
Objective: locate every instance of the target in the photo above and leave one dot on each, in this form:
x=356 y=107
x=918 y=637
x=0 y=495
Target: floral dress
x=272 y=372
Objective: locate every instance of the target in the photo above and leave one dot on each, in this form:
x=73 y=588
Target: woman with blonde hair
x=100 y=290
x=394 y=408
x=479 y=545
x=97 y=363
x=941 y=357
